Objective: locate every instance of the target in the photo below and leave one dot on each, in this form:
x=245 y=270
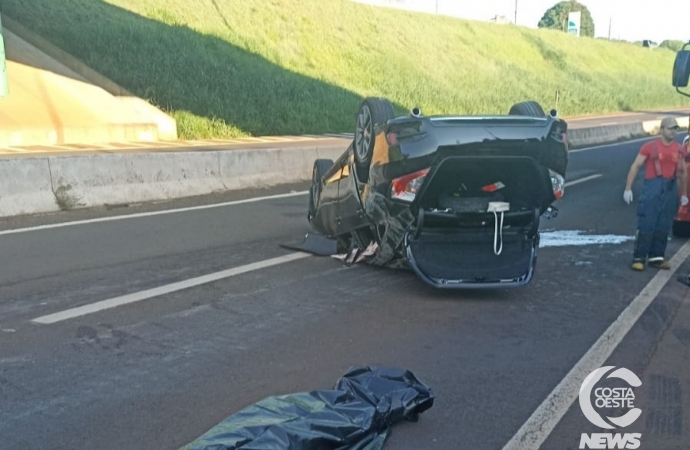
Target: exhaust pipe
x=416 y=112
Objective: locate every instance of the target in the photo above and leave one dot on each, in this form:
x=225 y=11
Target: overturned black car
x=456 y=198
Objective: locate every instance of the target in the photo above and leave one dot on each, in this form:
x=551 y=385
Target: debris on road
x=356 y=254
x=568 y=238
x=357 y=414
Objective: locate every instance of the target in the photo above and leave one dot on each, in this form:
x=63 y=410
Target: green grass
x=226 y=68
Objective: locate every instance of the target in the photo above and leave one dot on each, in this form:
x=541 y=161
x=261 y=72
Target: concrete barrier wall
x=586 y=137
x=25 y=187
x=256 y=168
x=93 y=180
x=605 y=134
x=264 y=167
x=48 y=184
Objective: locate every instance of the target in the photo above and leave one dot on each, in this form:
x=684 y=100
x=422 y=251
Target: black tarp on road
x=357 y=414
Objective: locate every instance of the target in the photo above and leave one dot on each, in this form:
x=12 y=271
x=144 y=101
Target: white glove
x=628 y=197
x=684 y=200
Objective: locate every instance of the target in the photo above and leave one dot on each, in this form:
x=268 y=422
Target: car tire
x=530 y=109
x=554 y=160
x=320 y=167
x=681 y=229
x=372 y=111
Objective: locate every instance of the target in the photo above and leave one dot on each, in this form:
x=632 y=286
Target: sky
x=631 y=20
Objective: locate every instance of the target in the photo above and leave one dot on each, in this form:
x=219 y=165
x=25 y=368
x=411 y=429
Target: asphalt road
x=160 y=372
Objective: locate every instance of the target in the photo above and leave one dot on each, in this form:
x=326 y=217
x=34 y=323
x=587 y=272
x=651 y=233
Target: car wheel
x=320 y=167
x=554 y=157
x=531 y=109
x=681 y=229
x=372 y=112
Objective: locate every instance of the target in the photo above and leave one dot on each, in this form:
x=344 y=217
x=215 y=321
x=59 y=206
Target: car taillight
x=405 y=188
x=557 y=183
x=392 y=138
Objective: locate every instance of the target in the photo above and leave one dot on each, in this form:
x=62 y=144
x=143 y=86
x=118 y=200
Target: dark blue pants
x=656 y=209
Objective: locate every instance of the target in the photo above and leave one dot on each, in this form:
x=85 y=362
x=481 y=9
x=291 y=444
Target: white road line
x=152 y=213
x=582 y=180
x=545 y=418
x=162 y=290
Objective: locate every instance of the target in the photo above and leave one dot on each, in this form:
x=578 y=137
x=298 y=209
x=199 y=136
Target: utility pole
x=516 y=1
x=609 y=28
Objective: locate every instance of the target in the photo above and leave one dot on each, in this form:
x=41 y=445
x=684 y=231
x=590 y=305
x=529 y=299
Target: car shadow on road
x=416 y=287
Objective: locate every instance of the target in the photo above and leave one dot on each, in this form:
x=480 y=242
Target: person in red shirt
x=663 y=160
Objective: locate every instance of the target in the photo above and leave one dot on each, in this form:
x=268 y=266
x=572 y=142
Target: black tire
x=320 y=167
x=681 y=229
x=557 y=161
x=530 y=108
x=372 y=111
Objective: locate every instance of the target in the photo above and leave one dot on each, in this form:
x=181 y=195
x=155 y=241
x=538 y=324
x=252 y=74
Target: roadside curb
x=46 y=184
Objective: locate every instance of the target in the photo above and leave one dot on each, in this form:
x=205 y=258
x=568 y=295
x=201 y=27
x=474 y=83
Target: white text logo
x=610 y=398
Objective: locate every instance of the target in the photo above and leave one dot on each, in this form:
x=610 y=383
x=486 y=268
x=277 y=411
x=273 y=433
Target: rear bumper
x=467 y=260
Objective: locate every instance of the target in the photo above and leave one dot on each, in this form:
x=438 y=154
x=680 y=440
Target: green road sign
x=4 y=89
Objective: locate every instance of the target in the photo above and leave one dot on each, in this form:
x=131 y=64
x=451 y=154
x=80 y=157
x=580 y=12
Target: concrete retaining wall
x=586 y=137
x=47 y=184
x=256 y=168
x=25 y=187
x=605 y=134
x=94 y=180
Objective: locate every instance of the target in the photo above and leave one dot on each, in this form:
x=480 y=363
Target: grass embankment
x=228 y=68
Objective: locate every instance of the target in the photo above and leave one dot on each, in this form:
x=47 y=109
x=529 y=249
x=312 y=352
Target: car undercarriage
x=458 y=199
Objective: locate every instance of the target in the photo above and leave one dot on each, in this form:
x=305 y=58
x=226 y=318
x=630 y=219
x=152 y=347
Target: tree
x=556 y=17
x=674 y=46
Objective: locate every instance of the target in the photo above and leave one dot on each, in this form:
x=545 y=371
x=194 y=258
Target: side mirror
x=681 y=68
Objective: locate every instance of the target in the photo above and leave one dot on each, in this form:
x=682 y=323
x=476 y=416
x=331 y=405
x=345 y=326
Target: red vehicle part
x=681 y=223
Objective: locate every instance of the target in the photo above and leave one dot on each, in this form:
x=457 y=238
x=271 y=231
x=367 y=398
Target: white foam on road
x=568 y=238
x=549 y=413
x=167 y=289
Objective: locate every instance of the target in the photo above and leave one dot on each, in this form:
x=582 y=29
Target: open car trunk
x=459 y=241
